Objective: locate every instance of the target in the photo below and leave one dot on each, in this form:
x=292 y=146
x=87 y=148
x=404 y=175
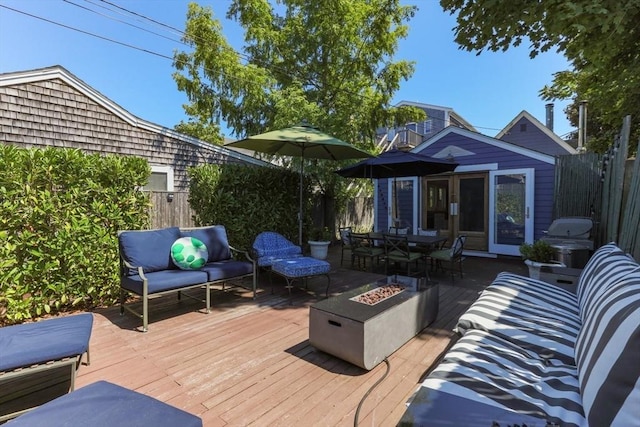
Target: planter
x=534 y=267
x=319 y=249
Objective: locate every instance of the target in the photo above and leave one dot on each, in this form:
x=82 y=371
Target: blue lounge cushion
x=215 y=239
x=103 y=404
x=149 y=249
x=40 y=342
x=189 y=253
x=270 y=247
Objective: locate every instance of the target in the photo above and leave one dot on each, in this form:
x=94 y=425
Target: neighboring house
x=500 y=195
x=415 y=133
x=527 y=131
x=52 y=107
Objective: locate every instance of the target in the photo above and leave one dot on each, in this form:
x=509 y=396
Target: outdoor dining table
x=418 y=239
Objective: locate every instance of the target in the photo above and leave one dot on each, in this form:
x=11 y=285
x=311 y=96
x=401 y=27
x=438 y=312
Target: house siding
x=525 y=133
x=52 y=113
x=485 y=154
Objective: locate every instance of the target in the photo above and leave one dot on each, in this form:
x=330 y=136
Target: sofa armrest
x=127 y=266
x=235 y=252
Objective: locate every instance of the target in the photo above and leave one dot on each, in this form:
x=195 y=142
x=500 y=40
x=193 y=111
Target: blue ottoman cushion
x=301 y=267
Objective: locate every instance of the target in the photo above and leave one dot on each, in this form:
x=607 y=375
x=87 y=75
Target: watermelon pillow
x=189 y=253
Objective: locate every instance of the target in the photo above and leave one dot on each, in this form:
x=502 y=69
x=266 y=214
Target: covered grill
x=571 y=237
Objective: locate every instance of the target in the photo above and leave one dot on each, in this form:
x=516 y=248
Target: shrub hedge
x=247 y=200
x=61 y=210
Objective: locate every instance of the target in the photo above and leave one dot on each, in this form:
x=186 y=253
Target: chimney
x=549 y=109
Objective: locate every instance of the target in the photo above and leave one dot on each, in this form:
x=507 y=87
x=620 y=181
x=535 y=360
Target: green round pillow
x=189 y=253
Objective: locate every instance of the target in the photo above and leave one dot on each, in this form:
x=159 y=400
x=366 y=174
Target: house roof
x=487 y=140
x=452 y=113
x=61 y=73
x=554 y=144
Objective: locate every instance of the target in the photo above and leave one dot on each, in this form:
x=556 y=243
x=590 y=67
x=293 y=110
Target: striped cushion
x=493 y=371
x=530 y=313
x=608 y=356
x=608 y=265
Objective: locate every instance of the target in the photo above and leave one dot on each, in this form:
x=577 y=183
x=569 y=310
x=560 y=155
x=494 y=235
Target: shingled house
x=52 y=107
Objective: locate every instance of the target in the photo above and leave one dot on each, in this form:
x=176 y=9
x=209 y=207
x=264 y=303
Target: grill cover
x=575 y=228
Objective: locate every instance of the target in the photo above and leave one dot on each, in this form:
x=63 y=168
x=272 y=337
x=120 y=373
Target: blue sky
x=487 y=90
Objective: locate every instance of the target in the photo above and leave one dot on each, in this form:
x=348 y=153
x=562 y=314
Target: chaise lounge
x=39 y=360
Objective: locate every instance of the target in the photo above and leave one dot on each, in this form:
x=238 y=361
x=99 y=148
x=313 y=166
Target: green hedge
x=247 y=200
x=61 y=210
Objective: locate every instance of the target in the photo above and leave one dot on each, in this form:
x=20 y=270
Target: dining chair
x=450 y=255
x=397 y=250
x=363 y=248
x=345 y=241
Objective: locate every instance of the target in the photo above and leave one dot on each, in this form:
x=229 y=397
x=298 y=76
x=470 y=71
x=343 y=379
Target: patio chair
x=450 y=255
x=397 y=250
x=270 y=247
x=345 y=242
x=363 y=248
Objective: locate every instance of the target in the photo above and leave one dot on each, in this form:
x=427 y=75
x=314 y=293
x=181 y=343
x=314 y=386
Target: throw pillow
x=189 y=253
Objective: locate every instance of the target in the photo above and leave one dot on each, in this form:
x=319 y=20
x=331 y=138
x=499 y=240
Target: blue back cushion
x=215 y=239
x=149 y=249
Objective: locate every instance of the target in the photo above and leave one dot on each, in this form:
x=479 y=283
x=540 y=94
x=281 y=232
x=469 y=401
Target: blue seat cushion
x=103 y=404
x=149 y=249
x=160 y=281
x=52 y=339
x=301 y=267
x=214 y=238
x=221 y=270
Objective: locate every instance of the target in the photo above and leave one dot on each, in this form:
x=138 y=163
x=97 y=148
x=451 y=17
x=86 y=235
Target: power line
x=123 y=11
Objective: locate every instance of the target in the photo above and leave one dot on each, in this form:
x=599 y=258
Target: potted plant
x=537 y=255
x=319 y=243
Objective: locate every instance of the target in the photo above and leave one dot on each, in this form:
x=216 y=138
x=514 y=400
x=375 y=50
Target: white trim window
x=161 y=179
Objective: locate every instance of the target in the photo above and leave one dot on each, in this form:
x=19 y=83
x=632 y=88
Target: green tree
x=327 y=62
x=600 y=39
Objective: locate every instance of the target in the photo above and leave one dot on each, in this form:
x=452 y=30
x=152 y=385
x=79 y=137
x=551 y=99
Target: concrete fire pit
x=365 y=325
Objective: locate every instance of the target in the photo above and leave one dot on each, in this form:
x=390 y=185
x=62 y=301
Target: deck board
x=249 y=362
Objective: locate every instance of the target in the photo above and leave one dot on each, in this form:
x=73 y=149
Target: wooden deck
x=249 y=362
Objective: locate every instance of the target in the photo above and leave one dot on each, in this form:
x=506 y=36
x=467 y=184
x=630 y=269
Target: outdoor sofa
x=147 y=267
x=529 y=350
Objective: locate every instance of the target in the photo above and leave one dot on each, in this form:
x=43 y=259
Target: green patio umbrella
x=304 y=141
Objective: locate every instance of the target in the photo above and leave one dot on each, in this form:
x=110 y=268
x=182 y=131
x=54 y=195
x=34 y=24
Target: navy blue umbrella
x=396 y=163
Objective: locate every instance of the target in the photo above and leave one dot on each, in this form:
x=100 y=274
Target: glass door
x=403 y=195
x=510 y=210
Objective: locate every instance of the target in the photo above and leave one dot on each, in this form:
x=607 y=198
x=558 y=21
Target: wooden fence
x=172 y=209
x=605 y=188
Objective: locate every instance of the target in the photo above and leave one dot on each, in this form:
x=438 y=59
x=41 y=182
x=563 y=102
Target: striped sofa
x=529 y=347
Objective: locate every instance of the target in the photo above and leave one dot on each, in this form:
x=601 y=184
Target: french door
x=457 y=204
x=510 y=210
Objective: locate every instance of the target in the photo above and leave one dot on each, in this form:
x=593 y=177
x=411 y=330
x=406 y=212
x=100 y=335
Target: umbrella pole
x=300 y=209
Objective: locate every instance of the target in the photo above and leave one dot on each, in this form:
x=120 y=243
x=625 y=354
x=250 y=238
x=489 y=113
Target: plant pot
x=319 y=250
x=534 y=267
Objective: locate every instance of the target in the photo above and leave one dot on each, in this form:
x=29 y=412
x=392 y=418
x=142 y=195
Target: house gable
x=436 y=147
x=527 y=131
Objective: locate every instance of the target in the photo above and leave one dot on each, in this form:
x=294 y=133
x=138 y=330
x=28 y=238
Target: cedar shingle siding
x=52 y=112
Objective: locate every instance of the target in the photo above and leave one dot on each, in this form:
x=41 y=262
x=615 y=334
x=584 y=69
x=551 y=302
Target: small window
x=523 y=127
x=161 y=179
x=427 y=126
